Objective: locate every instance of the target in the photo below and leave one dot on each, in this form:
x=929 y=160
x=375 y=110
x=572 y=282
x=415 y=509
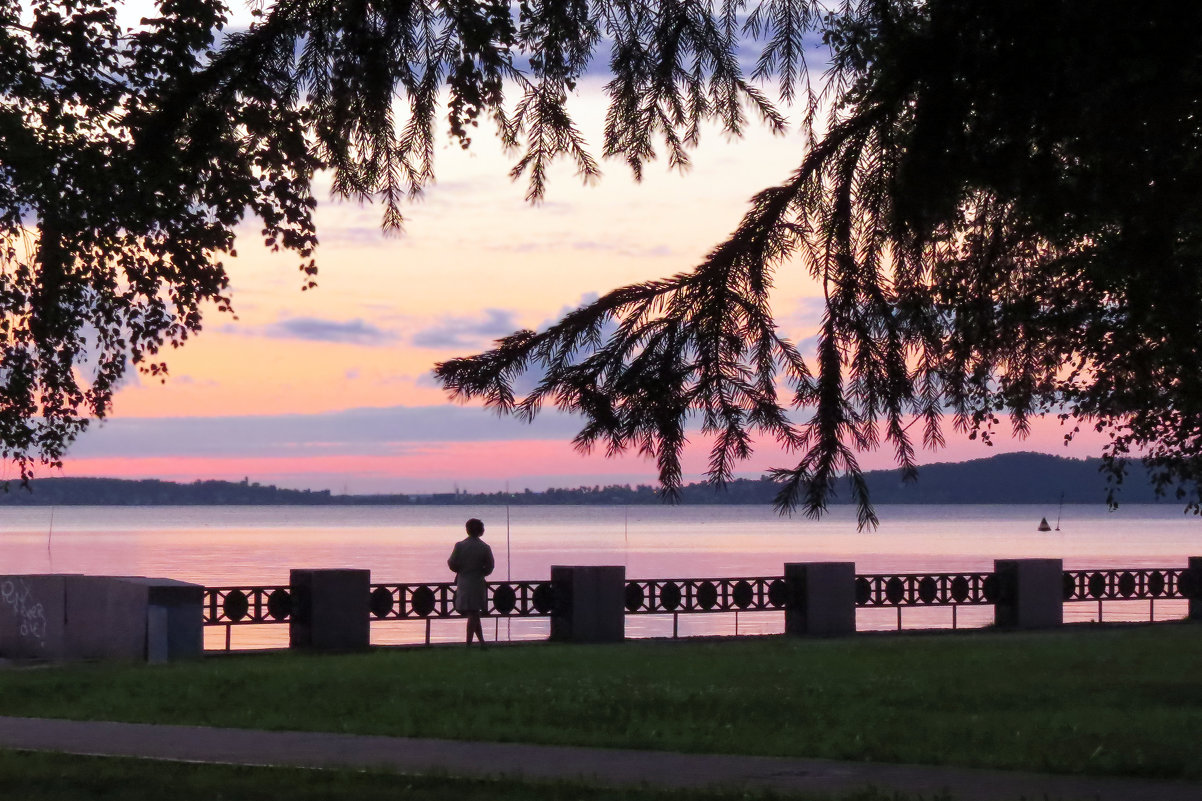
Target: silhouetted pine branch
x=952 y=209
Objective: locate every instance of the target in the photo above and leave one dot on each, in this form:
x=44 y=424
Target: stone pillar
x=331 y=609
x=590 y=604
x=1193 y=588
x=1030 y=593
x=821 y=598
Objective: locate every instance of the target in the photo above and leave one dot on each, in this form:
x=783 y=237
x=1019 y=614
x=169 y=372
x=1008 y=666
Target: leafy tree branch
x=1000 y=201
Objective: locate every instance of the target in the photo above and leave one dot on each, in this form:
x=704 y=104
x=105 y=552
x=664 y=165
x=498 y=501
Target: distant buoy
x=1043 y=524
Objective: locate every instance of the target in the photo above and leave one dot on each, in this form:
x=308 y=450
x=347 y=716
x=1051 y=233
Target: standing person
x=471 y=560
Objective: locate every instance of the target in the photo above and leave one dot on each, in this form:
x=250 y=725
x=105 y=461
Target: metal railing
x=927 y=589
x=505 y=599
x=239 y=606
x=1151 y=584
x=269 y=604
x=664 y=596
x=702 y=595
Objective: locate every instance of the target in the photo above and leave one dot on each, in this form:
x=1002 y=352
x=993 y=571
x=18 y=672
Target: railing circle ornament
x=863 y=591
x=707 y=595
x=279 y=604
x=895 y=590
x=1127 y=585
x=422 y=601
x=634 y=596
x=992 y=588
x=381 y=601
x=1069 y=585
x=504 y=599
x=960 y=589
x=742 y=594
x=544 y=598
x=778 y=594
x=669 y=595
x=1156 y=583
x=235 y=605
x=1188 y=583
x=927 y=589
x=1097 y=584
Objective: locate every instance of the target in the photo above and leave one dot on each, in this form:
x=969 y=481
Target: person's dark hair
x=475 y=527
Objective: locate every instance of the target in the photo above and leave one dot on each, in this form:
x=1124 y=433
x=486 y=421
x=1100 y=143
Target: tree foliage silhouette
x=1003 y=211
x=128 y=157
x=1001 y=202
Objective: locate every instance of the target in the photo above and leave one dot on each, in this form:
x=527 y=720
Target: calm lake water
x=226 y=545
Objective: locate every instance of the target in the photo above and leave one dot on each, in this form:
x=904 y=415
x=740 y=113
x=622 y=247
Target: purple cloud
x=316 y=329
x=467 y=332
x=369 y=431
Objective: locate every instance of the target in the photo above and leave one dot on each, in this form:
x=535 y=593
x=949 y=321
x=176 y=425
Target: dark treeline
x=1027 y=478
x=151 y=492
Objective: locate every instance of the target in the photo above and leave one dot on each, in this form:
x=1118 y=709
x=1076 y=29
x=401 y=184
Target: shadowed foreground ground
x=533 y=765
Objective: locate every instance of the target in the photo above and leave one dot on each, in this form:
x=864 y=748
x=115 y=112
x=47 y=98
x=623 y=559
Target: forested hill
x=1006 y=478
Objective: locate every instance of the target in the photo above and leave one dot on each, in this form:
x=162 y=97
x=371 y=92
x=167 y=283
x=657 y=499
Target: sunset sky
x=331 y=388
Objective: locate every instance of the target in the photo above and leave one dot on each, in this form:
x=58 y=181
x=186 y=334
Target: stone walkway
x=606 y=766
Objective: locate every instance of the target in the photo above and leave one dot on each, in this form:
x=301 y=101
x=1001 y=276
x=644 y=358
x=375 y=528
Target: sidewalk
x=599 y=765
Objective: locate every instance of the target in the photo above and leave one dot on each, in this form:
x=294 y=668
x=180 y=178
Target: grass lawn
x=56 y=777
x=1122 y=701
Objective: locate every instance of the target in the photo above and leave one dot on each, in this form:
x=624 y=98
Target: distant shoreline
x=1016 y=478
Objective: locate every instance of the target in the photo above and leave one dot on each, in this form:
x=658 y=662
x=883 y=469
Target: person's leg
x=478 y=627
x=473 y=621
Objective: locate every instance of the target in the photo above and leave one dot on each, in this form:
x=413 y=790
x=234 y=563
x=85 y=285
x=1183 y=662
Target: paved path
x=606 y=766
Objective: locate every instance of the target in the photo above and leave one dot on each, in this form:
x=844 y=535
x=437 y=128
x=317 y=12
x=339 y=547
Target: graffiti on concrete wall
x=17 y=598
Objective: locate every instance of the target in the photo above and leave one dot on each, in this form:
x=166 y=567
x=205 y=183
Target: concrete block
x=157 y=632
x=821 y=598
x=133 y=618
x=331 y=609
x=1031 y=593
x=590 y=604
x=177 y=610
x=106 y=618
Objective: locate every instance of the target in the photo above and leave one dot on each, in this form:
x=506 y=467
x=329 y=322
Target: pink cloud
x=491 y=465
